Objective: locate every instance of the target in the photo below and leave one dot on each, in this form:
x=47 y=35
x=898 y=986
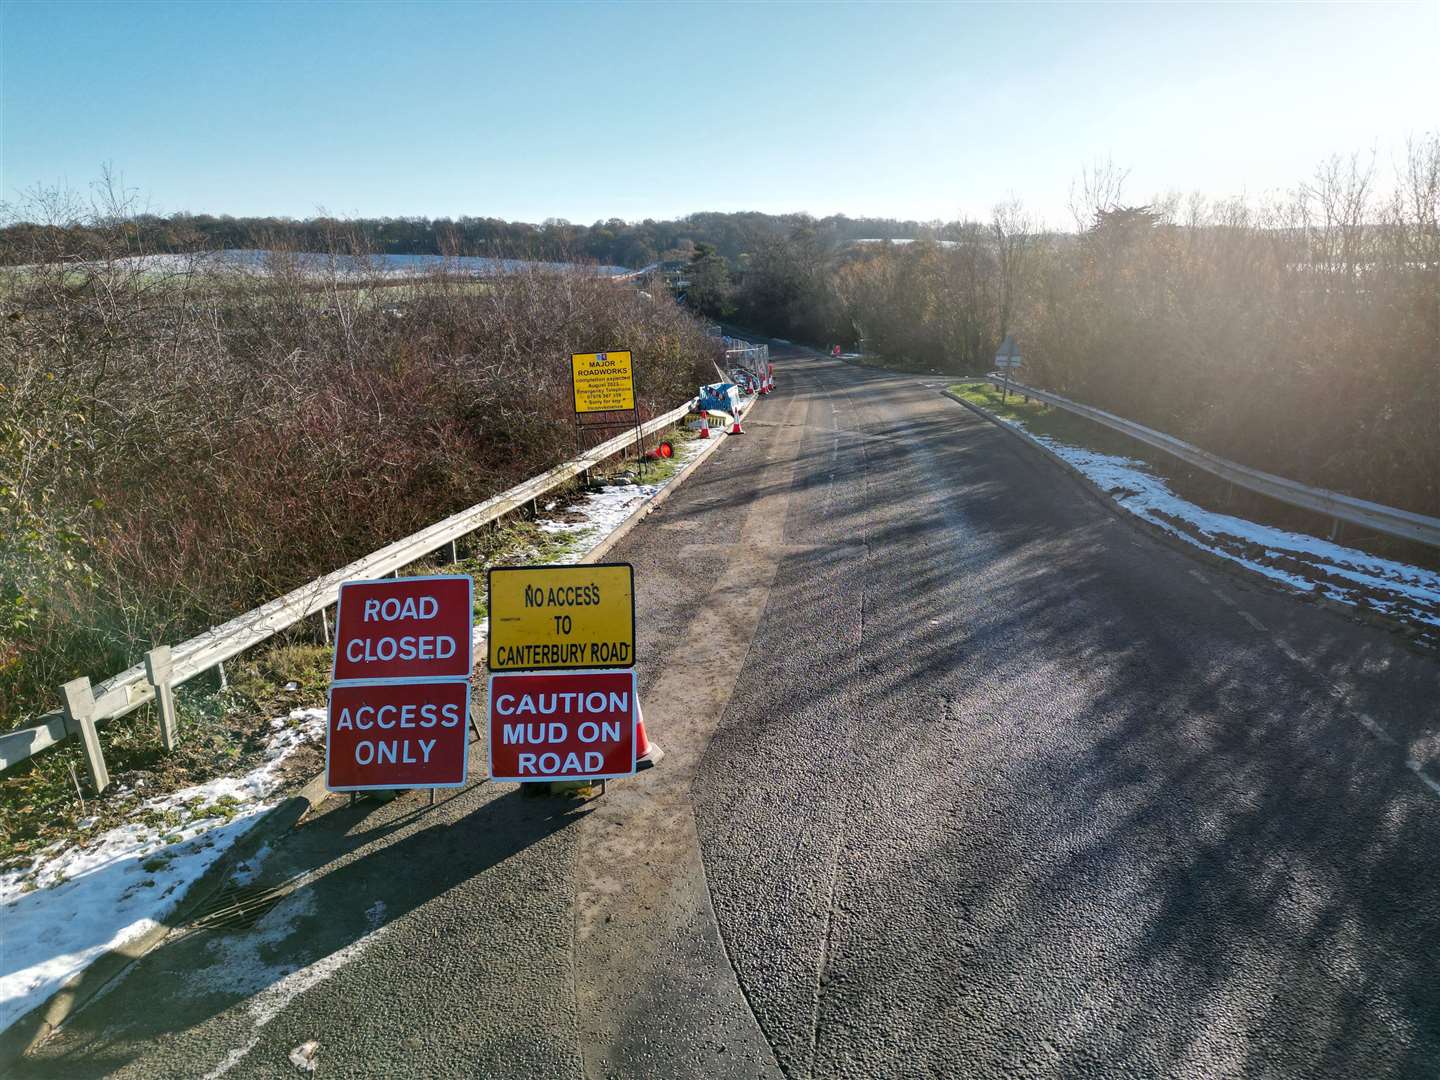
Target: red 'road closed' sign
x=403 y=628
x=577 y=725
x=397 y=734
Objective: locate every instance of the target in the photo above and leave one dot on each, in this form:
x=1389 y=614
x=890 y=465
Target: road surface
x=965 y=776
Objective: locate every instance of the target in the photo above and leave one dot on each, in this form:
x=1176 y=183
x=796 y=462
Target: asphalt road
x=965 y=776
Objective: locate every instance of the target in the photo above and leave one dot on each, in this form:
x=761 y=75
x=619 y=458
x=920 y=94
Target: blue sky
x=588 y=111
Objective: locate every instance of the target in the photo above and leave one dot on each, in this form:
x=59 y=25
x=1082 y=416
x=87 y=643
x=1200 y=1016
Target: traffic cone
x=704 y=426
x=737 y=429
x=647 y=754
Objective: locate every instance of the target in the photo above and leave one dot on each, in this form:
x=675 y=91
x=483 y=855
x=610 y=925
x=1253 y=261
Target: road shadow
x=344 y=875
x=1082 y=818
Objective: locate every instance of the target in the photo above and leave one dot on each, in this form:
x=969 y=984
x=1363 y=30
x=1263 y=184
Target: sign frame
x=575 y=385
x=469 y=640
x=630 y=673
x=490 y=637
x=464 y=731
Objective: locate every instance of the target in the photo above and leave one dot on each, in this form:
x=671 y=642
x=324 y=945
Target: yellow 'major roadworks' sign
x=550 y=617
x=604 y=381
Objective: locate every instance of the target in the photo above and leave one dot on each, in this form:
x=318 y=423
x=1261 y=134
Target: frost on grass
x=601 y=512
x=597 y=514
x=1304 y=562
x=75 y=903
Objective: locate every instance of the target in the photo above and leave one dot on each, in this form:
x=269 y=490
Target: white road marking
x=1256 y=623
x=1369 y=724
x=1285 y=648
x=1419 y=770
x=273 y=1000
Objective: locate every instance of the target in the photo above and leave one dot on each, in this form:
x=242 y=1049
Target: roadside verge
x=84 y=985
x=1398 y=597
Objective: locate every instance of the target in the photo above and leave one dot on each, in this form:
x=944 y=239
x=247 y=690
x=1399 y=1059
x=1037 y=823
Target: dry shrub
x=183 y=440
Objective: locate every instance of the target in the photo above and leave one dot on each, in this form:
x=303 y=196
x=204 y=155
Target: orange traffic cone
x=737 y=429
x=647 y=754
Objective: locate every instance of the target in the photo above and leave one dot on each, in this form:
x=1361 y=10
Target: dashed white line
x=1285 y=648
x=1256 y=623
x=1419 y=770
x=1369 y=724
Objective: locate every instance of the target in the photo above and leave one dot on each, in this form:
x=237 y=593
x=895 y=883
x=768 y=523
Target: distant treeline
x=613 y=242
x=1301 y=336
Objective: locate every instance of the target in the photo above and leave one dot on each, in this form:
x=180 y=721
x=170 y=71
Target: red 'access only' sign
x=576 y=725
x=404 y=628
x=397 y=735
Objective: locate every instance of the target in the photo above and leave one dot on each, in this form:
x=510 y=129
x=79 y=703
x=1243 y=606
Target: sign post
x=1007 y=358
x=604 y=382
x=399 y=701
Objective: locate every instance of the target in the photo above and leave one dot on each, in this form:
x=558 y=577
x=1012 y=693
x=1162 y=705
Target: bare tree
x=1097 y=189
x=1014 y=232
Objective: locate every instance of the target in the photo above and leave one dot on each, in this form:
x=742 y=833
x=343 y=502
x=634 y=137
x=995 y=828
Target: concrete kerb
x=1228 y=566
x=82 y=988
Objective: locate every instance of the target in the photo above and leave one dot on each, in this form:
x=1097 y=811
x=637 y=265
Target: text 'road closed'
x=397 y=628
x=562 y=725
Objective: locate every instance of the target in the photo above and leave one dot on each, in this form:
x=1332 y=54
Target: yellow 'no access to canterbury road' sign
x=549 y=617
x=604 y=381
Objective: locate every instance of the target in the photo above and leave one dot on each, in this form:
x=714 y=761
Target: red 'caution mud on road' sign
x=401 y=735
x=403 y=628
x=562 y=725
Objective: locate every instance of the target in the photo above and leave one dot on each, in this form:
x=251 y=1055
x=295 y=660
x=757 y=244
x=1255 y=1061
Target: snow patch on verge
x=1320 y=567
x=600 y=513
x=75 y=904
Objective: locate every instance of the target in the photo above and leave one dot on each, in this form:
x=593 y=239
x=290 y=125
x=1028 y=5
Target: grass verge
x=1194 y=485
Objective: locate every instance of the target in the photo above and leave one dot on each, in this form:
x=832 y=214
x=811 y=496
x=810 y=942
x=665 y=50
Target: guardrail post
x=158 y=666
x=325 y=625
x=78 y=702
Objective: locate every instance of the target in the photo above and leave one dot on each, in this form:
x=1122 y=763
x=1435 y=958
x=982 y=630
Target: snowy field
x=1304 y=562
x=259 y=263
x=77 y=902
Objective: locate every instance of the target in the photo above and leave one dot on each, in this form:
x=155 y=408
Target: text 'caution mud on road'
x=562 y=725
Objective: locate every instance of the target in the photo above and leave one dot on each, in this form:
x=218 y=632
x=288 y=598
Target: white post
x=78 y=702
x=158 y=667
